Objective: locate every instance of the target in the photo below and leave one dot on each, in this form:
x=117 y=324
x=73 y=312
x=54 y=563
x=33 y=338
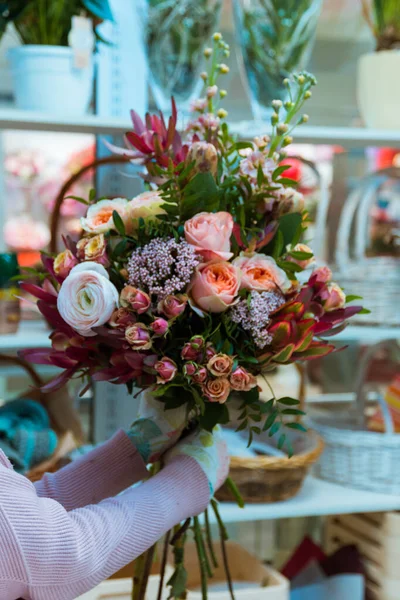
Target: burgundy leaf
x=59 y=381
x=138 y=125
x=38 y=292
x=137 y=142
x=36 y=356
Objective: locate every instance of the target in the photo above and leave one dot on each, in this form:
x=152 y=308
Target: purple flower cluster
x=254 y=315
x=163 y=266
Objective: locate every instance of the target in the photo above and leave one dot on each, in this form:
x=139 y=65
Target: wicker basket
x=376 y=279
x=355 y=457
x=270 y=478
x=63 y=418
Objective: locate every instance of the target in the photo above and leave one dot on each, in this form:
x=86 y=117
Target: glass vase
x=177 y=33
x=276 y=38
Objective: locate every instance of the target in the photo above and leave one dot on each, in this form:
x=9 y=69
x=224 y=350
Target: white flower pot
x=45 y=79
x=378 y=89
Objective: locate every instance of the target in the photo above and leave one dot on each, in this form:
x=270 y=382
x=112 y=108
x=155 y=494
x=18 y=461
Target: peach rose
x=210 y=233
x=99 y=217
x=87 y=298
x=217 y=390
x=261 y=273
x=215 y=286
x=220 y=365
x=305 y=262
x=146 y=206
x=241 y=380
x=63 y=263
x=93 y=248
x=336 y=298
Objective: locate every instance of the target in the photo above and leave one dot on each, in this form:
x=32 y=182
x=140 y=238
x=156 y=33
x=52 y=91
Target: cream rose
x=146 y=206
x=261 y=273
x=99 y=217
x=210 y=233
x=215 y=286
x=87 y=298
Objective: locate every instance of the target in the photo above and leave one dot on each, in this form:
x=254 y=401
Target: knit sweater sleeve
x=47 y=552
x=106 y=471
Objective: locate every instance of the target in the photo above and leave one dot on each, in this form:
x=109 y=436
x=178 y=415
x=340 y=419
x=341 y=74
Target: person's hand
x=156 y=429
x=209 y=450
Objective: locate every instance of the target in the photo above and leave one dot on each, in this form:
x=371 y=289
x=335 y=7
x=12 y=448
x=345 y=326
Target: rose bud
x=205 y=158
x=190 y=368
x=200 y=376
x=121 y=318
x=336 y=298
x=63 y=263
x=139 y=301
x=137 y=335
x=166 y=370
x=172 y=306
x=197 y=342
x=220 y=365
x=159 y=326
x=322 y=275
x=190 y=353
x=241 y=380
x=93 y=248
x=303 y=263
x=217 y=390
x=210 y=351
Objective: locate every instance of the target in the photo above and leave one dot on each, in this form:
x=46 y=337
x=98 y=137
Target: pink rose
x=63 y=263
x=159 y=326
x=172 y=306
x=190 y=368
x=241 y=380
x=210 y=233
x=261 y=273
x=137 y=335
x=302 y=262
x=166 y=370
x=87 y=298
x=197 y=342
x=93 y=248
x=190 y=353
x=215 y=286
x=99 y=217
x=322 y=275
x=201 y=375
x=217 y=390
x=139 y=301
x=336 y=298
x=220 y=365
x=121 y=318
x=210 y=351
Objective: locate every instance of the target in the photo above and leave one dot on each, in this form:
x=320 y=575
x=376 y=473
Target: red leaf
x=138 y=125
x=59 y=381
x=36 y=356
x=38 y=292
x=281 y=333
x=138 y=142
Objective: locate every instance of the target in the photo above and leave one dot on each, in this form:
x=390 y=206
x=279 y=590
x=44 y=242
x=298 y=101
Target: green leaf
x=200 y=194
x=266 y=407
x=274 y=429
x=299 y=255
x=287 y=181
x=260 y=176
x=214 y=414
x=92 y=195
x=251 y=396
x=287 y=401
x=298 y=234
x=175 y=401
x=270 y=420
x=243 y=425
x=281 y=441
x=297 y=426
x=120 y=248
x=293 y=411
x=278 y=171
x=78 y=199
x=119 y=224
x=178 y=581
x=278 y=245
x=364 y=311
x=289 y=448
x=256 y=430
x=199 y=400
x=292 y=267
x=353 y=297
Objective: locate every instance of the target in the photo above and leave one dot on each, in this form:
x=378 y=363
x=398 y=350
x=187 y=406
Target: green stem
x=235 y=492
x=202 y=557
x=224 y=537
x=209 y=539
x=163 y=565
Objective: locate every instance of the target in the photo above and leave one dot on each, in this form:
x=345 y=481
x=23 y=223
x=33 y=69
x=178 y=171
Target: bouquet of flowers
x=196 y=287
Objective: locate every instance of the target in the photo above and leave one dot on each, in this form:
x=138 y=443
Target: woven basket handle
x=361 y=394
x=56 y=214
x=8 y=359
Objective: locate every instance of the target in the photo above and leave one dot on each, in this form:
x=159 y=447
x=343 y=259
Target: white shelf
x=351 y=137
x=31 y=334
x=316 y=498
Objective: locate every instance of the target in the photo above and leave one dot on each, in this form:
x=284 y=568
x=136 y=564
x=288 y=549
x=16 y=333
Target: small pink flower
x=261 y=273
x=249 y=166
x=166 y=370
x=217 y=390
x=212 y=90
x=241 y=380
x=93 y=248
x=159 y=326
x=121 y=318
x=190 y=353
x=172 y=306
x=215 y=286
x=137 y=335
x=220 y=365
x=197 y=342
x=336 y=298
x=136 y=299
x=198 y=105
x=63 y=263
x=305 y=262
x=201 y=375
x=210 y=351
x=210 y=233
x=322 y=275
x=190 y=368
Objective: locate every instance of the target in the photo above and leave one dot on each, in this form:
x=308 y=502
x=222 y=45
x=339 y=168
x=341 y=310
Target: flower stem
x=202 y=557
x=235 y=492
x=163 y=565
x=209 y=539
x=224 y=537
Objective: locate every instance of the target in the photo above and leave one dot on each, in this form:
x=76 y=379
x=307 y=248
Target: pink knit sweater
x=62 y=536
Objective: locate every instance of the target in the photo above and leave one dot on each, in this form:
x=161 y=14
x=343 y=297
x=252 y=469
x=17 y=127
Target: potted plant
x=53 y=69
x=378 y=72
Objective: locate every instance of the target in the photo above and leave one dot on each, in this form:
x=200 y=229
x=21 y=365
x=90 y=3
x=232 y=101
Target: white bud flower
x=276 y=104
x=301 y=79
x=223 y=93
x=223 y=68
x=305 y=118
x=274 y=118
x=287 y=140
x=222 y=113
x=282 y=128
x=204 y=76
x=217 y=36
x=211 y=91
x=207 y=52
x=307 y=95
x=286 y=82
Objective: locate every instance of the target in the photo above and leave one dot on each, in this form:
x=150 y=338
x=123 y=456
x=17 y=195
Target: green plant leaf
x=299 y=255
x=278 y=245
x=270 y=420
x=200 y=194
x=293 y=411
x=119 y=224
x=120 y=248
x=287 y=401
x=297 y=426
x=353 y=297
x=281 y=441
x=274 y=428
x=214 y=414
